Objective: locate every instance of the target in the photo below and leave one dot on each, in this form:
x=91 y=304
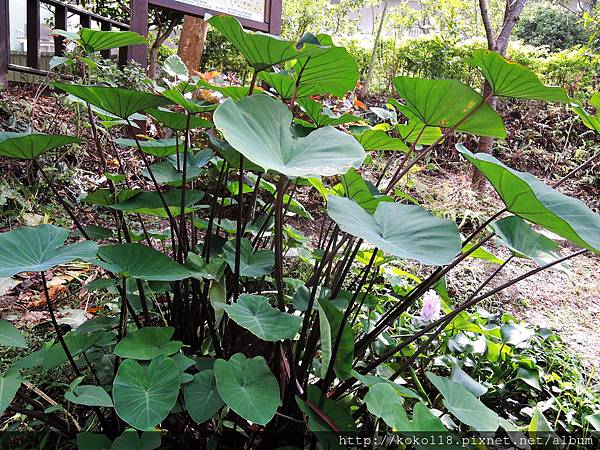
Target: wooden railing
x=61 y=12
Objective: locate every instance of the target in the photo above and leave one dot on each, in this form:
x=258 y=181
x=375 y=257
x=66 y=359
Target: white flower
x=430 y=311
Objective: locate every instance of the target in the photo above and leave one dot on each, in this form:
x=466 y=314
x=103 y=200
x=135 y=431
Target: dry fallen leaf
x=53 y=293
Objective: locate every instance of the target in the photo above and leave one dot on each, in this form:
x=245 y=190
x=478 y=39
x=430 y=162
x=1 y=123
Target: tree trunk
x=499 y=44
x=365 y=87
x=191 y=42
x=161 y=37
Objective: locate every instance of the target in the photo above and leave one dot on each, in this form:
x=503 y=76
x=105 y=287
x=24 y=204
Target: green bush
x=552 y=26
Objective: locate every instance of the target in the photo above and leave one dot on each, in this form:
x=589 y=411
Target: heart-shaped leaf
x=96 y=40
x=9 y=385
x=405 y=231
x=259 y=128
x=31 y=145
x=175 y=67
x=330 y=321
x=463 y=378
x=118 y=101
x=415 y=131
x=140 y=262
x=167 y=172
x=526 y=196
x=509 y=79
x=325 y=69
x=252 y=263
x=148 y=343
x=383 y=401
x=10 y=336
x=449 y=104
x=379 y=140
x=150 y=203
x=523 y=241
x=248 y=387
x=200 y=269
x=131 y=440
x=89 y=395
x=255 y=314
x=283 y=82
x=35 y=249
x=144 y=396
x=589 y=120
x=177 y=121
x=362 y=191
x=202 y=399
x=323 y=116
x=158 y=147
x=464 y=405
x=260 y=50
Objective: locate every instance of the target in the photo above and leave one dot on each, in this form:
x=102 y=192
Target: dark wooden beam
x=105 y=26
x=4 y=43
x=85 y=20
x=60 y=23
x=33 y=33
x=139 y=24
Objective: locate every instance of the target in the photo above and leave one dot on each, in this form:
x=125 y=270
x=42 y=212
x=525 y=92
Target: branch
x=487 y=24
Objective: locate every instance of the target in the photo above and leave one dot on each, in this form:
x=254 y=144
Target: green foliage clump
x=552 y=26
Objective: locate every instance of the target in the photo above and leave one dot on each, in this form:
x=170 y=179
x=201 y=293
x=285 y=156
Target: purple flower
x=430 y=311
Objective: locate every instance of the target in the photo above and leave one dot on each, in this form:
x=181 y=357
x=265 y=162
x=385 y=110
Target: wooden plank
x=4 y=43
x=33 y=33
x=79 y=11
x=85 y=20
x=275 y=17
x=139 y=24
x=105 y=26
x=60 y=23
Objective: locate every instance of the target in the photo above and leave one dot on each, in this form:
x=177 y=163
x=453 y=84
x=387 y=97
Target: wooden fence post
x=33 y=33
x=4 y=43
x=139 y=24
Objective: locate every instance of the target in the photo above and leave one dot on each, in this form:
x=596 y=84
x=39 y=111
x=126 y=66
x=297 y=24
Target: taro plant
x=205 y=336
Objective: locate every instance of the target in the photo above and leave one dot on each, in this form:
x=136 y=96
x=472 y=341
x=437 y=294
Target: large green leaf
x=35 y=249
x=167 y=172
x=202 y=399
x=96 y=40
x=589 y=120
x=362 y=191
x=405 y=231
x=255 y=314
x=248 y=387
x=252 y=264
x=89 y=395
x=148 y=343
x=447 y=103
x=188 y=102
x=177 y=121
x=283 y=82
x=379 y=140
x=158 y=147
x=10 y=336
x=464 y=405
x=415 y=131
x=130 y=440
x=519 y=237
x=259 y=128
x=509 y=79
x=31 y=145
x=260 y=50
x=526 y=196
x=323 y=116
x=144 y=396
x=118 y=101
x=383 y=401
x=327 y=69
x=330 y=321
x=9 y=385
x=140 y=262
x=150 y=203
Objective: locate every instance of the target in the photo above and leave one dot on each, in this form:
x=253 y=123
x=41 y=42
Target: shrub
x=203 y=334
x=551 y=26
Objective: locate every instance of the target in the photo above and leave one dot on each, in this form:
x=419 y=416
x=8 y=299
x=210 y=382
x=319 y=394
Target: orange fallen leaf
x=53 y=293
x=207 y=76
x=359 y=105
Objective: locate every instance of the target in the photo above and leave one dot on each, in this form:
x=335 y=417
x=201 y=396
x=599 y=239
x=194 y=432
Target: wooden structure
x=268 y=10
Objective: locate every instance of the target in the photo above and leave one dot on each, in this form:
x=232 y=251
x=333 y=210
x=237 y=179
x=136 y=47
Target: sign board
x=243 y=9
